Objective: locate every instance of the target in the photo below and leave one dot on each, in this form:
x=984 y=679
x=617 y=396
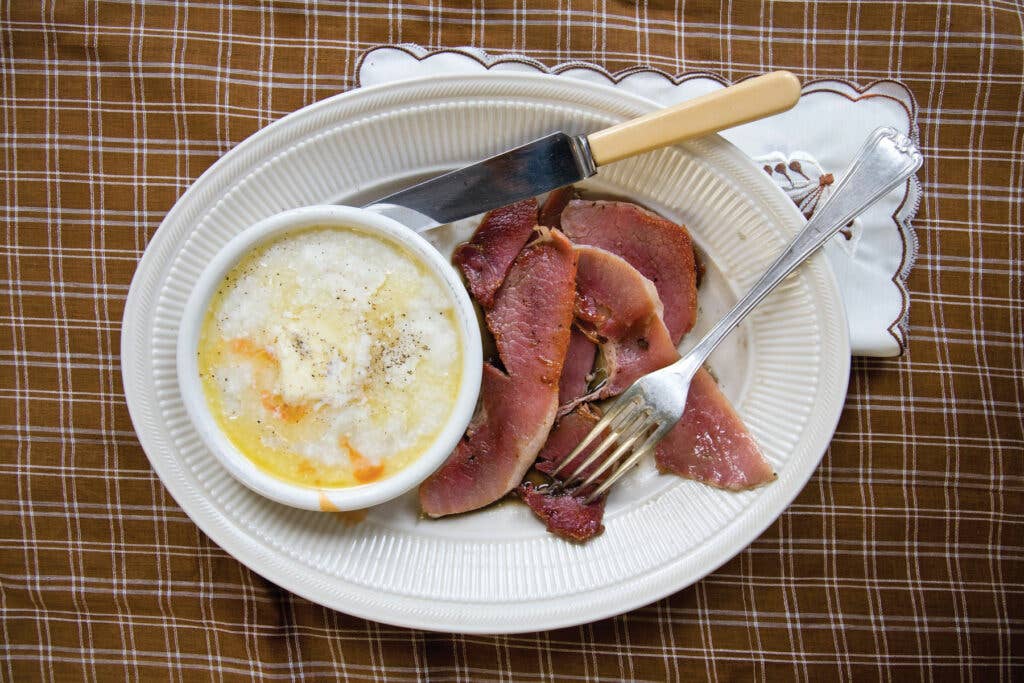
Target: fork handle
x=886 y=160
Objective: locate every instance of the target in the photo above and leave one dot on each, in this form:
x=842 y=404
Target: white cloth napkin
x=803 y=150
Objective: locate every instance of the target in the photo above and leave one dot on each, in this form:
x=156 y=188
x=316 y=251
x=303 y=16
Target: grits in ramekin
x=330 y=358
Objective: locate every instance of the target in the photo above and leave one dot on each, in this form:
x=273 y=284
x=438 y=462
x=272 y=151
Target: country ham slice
x=661 y=250
x=485 y=259
x=620 y=308
x=563 y=510
x=530 y=320
x=711 y=444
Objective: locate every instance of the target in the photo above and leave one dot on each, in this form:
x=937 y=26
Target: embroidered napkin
x=803 y=151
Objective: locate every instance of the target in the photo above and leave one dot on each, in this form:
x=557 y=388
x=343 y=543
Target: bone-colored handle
x=752 y=99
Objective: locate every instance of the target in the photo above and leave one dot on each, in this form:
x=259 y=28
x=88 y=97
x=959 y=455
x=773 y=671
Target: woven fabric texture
x=902 y=559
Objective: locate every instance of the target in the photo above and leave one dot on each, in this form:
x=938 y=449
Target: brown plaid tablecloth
x=902 y=559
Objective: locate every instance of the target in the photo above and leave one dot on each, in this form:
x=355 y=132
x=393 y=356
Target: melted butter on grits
x=330 y=357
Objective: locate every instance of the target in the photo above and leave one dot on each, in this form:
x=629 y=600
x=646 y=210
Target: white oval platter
x=498 y=570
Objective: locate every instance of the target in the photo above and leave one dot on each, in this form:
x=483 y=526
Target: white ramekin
x=310 y=498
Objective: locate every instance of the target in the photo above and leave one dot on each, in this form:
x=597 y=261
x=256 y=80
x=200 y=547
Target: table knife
x=561 y=159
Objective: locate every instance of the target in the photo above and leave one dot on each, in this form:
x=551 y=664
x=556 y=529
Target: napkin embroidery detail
x=804 y=181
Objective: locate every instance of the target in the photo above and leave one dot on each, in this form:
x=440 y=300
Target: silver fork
x=648 y=409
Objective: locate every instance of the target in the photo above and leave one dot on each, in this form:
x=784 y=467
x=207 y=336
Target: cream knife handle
x=752 y=99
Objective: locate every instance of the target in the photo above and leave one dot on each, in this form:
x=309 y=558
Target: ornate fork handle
x=887 y=159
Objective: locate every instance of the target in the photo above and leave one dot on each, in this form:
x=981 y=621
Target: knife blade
x=561 y=159
x=547 y=163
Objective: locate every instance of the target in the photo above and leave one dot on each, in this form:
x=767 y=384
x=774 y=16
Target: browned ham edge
x=661 y=250
x=564 y=513
x=485 y=259
x=530 y=319
x=551 y=212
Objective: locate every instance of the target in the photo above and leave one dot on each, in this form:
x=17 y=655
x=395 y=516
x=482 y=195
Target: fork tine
x=626 y=425
x=604 y=423
x=637 y=428
x=620 y=420
x=600 y=450
x=647 y=446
